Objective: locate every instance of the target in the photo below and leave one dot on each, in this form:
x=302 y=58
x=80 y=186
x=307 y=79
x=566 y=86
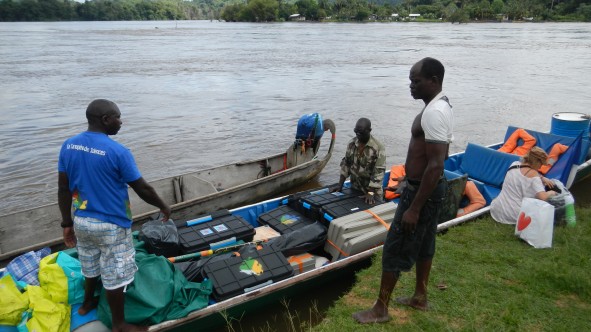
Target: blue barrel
x=571 y=125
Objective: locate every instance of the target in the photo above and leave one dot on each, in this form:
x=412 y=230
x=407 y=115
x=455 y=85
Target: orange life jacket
x=511 y=146
x=476 y=199
x=555 y=152
x=397 y=171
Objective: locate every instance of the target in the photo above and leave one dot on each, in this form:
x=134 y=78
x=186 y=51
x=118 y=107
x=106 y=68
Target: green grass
x=495 y=282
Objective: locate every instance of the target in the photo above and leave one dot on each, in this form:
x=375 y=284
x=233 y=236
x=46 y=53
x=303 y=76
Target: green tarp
x=158 y=293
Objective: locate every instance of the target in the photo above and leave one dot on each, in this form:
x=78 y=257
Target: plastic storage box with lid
x=312 y=204
x=241 y=274
x=344 y=207
x=206 y=231
x=284 y=219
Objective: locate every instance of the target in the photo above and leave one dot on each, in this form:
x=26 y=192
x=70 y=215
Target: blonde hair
x=536 y=155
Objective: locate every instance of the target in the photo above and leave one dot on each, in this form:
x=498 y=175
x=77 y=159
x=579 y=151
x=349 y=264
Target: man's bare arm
x=64 y=200
x=146 y=192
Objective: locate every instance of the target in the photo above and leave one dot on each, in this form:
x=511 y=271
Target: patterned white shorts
x=105 y=249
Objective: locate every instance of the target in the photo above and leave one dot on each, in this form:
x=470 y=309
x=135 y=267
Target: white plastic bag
x=535 y=223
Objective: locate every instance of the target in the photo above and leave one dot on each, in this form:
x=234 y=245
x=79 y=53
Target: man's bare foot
x=87 y=306
x=128 y=328
x=413 y=303
x=371 y=316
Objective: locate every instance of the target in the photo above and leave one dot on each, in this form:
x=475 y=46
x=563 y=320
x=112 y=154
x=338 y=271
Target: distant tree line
x=281 y=10
x=109 y=10
x=430 y=10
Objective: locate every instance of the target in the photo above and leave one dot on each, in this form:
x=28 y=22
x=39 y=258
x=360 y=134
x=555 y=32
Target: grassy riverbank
x=493 y=282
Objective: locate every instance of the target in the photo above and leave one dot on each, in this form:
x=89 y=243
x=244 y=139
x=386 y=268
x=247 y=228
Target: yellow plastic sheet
x=52 y=279
x=47 y=316
x=61 y=277
x=12 y=302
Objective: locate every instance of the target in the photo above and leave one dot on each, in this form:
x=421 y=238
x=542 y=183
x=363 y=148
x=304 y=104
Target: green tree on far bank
x=281 y=10
x=308 y=8
x=253 y=11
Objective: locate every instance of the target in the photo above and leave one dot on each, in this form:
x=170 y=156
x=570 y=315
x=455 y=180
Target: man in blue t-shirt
x=94 y=172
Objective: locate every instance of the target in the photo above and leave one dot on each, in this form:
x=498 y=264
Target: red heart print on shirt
x=523 y=221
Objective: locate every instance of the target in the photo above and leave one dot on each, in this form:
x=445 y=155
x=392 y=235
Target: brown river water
x=197 y=94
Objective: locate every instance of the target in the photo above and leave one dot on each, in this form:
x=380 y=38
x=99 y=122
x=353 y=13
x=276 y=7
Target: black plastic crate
x=344 y=207
x=294 y=200
x=284 y=219
x=312 y=204
x=238 y=275
x=209 y=230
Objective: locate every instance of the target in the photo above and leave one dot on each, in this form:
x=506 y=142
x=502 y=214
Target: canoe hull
x=244 y=194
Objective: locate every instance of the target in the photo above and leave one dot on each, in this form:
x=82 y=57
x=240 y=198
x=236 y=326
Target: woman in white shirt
x=522 y=180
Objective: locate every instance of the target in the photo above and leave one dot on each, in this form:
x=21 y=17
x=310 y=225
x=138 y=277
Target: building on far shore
x=297 y=17
x=502 y=17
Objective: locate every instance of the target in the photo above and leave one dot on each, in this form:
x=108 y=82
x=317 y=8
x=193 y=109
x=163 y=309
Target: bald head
x=99 y=107
x=363 y=129
x=103 y=116
x=364 y=122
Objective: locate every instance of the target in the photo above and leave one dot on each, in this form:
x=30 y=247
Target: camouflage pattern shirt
x=366 y=167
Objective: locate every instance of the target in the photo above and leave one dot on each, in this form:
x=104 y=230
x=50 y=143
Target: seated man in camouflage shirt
x=364 y=162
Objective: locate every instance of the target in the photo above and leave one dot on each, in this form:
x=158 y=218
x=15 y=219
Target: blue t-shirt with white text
x=98 y=169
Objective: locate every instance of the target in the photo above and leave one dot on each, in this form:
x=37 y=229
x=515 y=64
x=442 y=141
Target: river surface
x=195 y=94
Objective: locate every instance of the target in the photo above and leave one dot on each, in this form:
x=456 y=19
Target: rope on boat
x=376 y=217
